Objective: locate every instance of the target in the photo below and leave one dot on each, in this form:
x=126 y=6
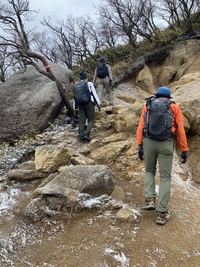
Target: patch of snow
x=122 y=259
x=118 y=256
x=135 y=212
x=88 y=201
x=8 y=200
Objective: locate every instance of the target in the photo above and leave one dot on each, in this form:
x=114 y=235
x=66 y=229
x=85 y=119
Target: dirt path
x=95 y=238
x=178 y=242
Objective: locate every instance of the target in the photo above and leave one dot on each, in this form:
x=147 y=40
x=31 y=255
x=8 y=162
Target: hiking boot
x=87 y=138
x=149 y=204
x=163 y=217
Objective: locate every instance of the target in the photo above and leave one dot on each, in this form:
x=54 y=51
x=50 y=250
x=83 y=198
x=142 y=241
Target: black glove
x=140 y=152
x=184 y=156
x=110 y=82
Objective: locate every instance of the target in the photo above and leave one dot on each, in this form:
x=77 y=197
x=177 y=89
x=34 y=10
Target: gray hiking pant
x=86 y=113
x=161 y=151
x=104 y=87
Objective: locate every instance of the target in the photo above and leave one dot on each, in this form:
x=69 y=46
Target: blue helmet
x=163 y=92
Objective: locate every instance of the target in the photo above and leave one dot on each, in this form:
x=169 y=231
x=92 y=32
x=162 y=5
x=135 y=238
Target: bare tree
x=76 y=38
x=16 y=37
x=60 y=49
x=8 y=63
x=146 y=26
x=121 y=15
x=177 y=13
x=131 y=18
x=109 y=35
x=3 y=67
x=44 y=44
x=79 y=37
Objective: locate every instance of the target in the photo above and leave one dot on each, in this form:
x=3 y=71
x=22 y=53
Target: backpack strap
x=148 y=105
x=148 y=101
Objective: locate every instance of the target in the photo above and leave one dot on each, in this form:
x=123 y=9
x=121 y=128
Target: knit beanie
x=83 y=75
x=163 y=92
x=102 y=60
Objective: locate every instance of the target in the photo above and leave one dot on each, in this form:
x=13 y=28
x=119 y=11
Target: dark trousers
x=86 y=113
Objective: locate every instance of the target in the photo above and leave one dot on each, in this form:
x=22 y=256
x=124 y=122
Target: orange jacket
x=178 y=127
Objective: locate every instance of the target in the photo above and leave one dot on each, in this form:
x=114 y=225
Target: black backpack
x=82 y=95
x=158 y=119
x=102 y=70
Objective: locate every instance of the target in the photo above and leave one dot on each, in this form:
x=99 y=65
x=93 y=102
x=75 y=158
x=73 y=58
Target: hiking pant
x=86 y=112
x=104 y=85
x=161 y=151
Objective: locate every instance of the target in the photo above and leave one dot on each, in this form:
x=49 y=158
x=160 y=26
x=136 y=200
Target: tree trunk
x=50 y=74
x=61 y=88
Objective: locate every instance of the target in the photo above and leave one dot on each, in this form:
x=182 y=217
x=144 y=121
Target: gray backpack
x=158 y=119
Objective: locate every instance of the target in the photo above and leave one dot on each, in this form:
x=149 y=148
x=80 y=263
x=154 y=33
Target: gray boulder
x=29 y=101
x=93 y=180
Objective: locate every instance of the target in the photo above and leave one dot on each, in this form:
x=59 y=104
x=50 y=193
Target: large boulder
x=145 y=80
x=93 y=180
x=186 y=93
x=29 y=101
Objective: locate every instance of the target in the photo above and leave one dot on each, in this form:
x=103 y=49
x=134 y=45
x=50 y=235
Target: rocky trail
x=93 y=236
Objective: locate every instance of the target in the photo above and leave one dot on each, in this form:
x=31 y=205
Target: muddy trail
x=93 y=236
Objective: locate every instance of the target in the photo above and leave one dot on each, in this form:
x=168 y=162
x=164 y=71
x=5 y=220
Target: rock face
x=184 y=58
x=29 y=101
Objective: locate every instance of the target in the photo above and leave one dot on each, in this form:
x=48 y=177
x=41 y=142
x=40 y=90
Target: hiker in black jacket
x=104 y=74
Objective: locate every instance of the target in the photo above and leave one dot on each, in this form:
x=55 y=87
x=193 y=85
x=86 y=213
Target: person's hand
x=140 y=152
x=110 y=82
x=184 y=156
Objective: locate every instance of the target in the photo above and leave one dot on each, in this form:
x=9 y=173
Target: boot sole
x=163 y=222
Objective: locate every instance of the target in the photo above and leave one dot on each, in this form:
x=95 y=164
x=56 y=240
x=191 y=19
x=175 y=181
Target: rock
x=81 y=160
x=167 y=74
x=93 y=180
x=125 y=214
x=115 y=137
x=28 y=165
x=22 y=175
x=29 y=101
x=110 y=152
x=118 y=193
x=145 y=80
x=118 y=204
x=51 y=157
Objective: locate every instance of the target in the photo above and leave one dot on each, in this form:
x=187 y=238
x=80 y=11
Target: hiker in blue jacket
x=87 y=112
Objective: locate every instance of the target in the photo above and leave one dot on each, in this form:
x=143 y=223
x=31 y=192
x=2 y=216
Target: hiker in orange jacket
x=161 y=151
